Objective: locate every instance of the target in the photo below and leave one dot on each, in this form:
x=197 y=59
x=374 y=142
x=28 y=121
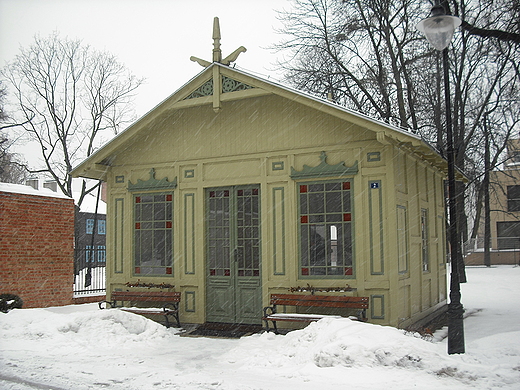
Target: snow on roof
x=28 y=190
x=89 y=204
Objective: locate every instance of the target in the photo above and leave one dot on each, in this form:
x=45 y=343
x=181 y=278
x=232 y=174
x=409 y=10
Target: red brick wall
x=37 y=248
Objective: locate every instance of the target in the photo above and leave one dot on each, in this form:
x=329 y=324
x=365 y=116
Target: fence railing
x=503 y=244
x=506 y=252
x=89 y=272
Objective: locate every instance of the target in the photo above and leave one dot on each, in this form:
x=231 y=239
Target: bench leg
x=176 y=315
x=177 y=320
x=173 y=310
x=274 y=328
x=167 y=324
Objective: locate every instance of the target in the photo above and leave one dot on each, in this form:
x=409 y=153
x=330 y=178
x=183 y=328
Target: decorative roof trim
x=152 y=183
x=205 y=89
x=228 y=85
x=324 y=169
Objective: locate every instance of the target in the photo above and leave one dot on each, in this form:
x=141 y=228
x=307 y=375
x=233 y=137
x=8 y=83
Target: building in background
x=90 y=233
x=505 y=213
x=90 y=246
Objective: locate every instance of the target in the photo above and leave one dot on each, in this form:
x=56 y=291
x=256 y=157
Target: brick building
x=36 y=245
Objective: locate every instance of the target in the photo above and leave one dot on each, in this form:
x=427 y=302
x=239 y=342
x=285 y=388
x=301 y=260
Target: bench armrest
x=269 y=310
x=106 y=304
x=171 y=306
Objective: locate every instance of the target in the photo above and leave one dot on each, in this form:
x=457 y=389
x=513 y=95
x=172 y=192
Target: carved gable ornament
x=324 y=170
x=228 y=85
x=152 y=183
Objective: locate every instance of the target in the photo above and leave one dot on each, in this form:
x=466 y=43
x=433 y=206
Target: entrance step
x=223 y=330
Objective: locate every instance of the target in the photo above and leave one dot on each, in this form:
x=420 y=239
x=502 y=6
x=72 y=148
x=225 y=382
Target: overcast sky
x=153 y=38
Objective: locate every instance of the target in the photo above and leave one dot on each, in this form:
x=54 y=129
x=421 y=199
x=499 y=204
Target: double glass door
x=234 y=292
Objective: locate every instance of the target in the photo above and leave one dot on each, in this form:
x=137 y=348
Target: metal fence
x=89 y=271
x=506 y=252
x=503 y=244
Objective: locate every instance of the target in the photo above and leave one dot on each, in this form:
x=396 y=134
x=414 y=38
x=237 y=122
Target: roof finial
x=217 y=52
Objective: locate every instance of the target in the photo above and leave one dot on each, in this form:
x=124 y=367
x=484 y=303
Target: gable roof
x=218 y=83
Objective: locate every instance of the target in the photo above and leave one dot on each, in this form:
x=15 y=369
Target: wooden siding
x=265 y=124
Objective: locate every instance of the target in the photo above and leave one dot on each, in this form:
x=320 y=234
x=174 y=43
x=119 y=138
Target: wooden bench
x=332 y=301
x=170 y=299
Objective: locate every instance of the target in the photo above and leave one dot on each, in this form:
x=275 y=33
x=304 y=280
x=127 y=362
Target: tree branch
x=491 y=33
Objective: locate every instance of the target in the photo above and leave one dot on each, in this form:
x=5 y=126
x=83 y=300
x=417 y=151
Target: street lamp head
x=439 y=28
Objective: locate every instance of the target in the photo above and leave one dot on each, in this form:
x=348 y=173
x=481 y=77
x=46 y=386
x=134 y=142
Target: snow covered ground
x=81 y=347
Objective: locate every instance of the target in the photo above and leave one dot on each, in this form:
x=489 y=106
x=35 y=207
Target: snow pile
x=341 y=342
x=79 y=329
x=355 y=345
x=82 y=347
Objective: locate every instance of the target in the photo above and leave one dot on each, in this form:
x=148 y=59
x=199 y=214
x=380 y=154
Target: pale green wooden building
x=236 y=187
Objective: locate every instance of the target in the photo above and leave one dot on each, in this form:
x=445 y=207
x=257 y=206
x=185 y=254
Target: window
x=101 y=226
x=508 y=235
x=98 y=255
x=325 y=229
x=101 y=254
x=100 y=223
x=89 y=256
x=90 y=226
x=153 y=234
x=425 y=240
x=514 y=157
x=513 y=198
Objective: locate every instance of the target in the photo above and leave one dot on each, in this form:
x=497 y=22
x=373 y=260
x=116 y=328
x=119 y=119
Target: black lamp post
x=439 y=29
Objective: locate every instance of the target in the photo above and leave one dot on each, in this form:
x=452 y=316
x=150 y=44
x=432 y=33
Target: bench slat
x=138 y=310
x=297 y=317
x=146 y=296
x=320 y=301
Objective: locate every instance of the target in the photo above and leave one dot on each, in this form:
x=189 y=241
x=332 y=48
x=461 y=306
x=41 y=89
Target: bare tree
x=497 y=20
x=359 y=51
x=3 y=114
x=368 y=55
x=69 y=97
x=12 y=168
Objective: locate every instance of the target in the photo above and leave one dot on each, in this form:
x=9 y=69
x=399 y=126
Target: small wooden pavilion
x=236 y=187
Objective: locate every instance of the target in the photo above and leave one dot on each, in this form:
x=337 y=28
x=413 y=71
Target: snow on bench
x=332 y=301
x=170 y=299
